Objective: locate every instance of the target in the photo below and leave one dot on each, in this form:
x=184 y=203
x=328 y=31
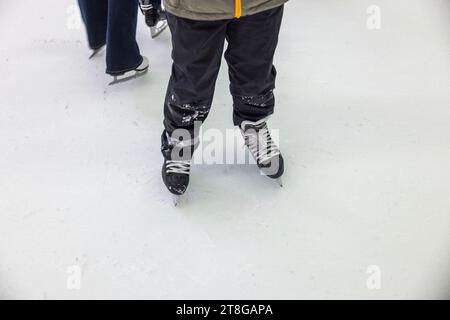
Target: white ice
x=364 y=120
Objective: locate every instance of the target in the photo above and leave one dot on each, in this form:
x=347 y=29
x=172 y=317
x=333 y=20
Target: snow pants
x=113 y=22
x=197 y=54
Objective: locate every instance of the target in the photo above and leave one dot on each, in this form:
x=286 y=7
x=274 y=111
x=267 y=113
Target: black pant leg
x=122 y=49
x=156 y=3
x=252 y=43
x=197 y=53
x=95 y=17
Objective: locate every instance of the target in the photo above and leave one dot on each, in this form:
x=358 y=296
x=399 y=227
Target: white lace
x=178 y=166
x=260 y=144
x=146 y=7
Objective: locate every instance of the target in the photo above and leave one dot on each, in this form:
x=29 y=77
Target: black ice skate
x=176 y=167
x=155 y=18
x=265 y=152
x=133 y=74
x=175 y=175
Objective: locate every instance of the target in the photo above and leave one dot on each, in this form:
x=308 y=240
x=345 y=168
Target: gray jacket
x=218 y=9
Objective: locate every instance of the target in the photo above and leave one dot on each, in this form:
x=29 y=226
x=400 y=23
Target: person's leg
x=122 y=49
x=94 y=14
x=197 y=53
x=156 y=3
x=252 y=44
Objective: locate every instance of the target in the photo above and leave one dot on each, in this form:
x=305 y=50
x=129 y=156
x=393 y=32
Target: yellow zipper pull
x=238 y=9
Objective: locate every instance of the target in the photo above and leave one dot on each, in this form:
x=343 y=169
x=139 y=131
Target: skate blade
x=160 y=27
x=177 y=200
x=280 y=182
x=95 y=53
x=136 y=74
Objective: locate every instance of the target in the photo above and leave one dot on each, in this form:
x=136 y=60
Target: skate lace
x=178 y=166
x=260 y=143
x=145 y=7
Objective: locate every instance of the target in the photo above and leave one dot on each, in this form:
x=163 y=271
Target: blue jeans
x=113 y=22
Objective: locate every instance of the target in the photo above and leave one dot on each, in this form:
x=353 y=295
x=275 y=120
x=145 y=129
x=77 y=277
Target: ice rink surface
x=364 y=120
